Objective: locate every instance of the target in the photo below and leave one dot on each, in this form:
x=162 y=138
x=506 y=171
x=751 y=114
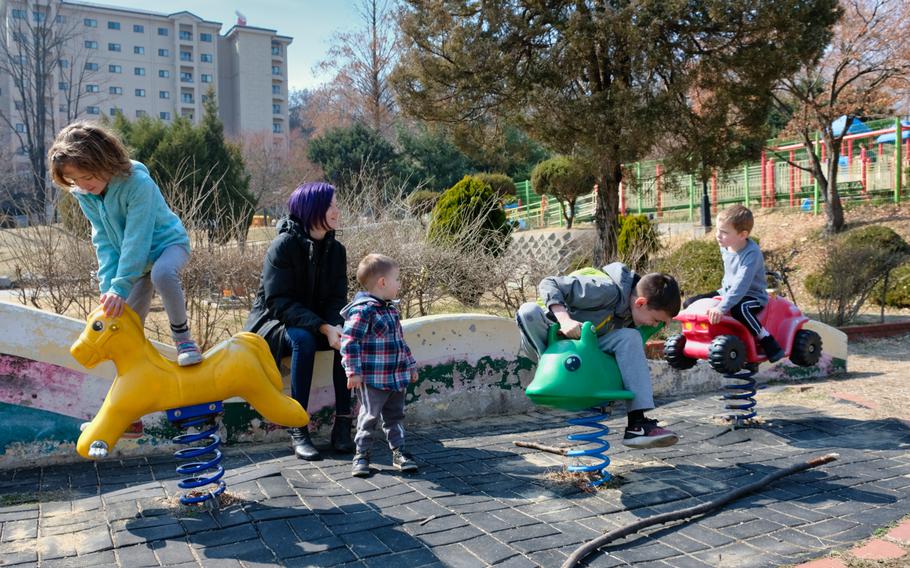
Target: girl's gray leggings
x=165 y=278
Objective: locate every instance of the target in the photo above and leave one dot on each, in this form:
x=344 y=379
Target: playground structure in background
x=867 y=170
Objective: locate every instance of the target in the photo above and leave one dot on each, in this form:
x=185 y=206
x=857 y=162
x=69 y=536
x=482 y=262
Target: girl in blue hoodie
x=141 y=244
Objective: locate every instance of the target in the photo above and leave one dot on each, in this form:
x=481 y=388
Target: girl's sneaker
x=188 y=353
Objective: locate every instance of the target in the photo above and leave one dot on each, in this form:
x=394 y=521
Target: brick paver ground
x=480 y=501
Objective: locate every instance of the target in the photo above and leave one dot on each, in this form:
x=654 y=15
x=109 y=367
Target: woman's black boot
x=303 y=446
x=341 y=435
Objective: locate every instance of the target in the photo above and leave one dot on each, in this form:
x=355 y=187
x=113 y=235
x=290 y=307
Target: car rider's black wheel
x=807 y=348
x=727 y=354
x=674 y=353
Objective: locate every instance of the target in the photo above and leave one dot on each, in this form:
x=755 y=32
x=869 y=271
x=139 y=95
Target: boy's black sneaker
x=771 y=348
x=361 y=465
x=647 y=434
x=403 y=461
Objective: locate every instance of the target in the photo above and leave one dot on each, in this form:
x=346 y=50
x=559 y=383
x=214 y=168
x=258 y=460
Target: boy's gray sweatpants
x=376 y=403
x=165 y=278
x=624 y=344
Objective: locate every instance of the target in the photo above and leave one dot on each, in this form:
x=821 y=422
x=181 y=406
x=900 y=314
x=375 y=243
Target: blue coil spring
x=741 y=400
x=598 y=438
x=205 y=471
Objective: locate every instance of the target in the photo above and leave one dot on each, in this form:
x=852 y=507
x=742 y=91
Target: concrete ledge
x=876 y=330
x=469 y=367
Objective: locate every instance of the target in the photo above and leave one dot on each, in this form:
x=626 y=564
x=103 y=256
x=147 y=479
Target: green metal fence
x=868 y=171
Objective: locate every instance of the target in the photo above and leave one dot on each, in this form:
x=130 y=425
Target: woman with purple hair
x=302 y=289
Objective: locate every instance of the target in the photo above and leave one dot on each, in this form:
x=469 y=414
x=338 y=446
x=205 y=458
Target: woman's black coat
x=303 y=284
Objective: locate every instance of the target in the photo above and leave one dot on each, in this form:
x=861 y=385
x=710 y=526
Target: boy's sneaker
x=361 y=466
x=647 y=434
x=188 y=353
x=771 y=348
x=403 y=461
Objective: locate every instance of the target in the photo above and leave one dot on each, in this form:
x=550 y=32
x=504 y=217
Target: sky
x=310 y=22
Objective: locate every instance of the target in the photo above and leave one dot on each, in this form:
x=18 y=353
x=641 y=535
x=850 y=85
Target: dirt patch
x=874 y=388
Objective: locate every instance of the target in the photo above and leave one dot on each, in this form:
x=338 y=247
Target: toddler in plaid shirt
x=377 y=361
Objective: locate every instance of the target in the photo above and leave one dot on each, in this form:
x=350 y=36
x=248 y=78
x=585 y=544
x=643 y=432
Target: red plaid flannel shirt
x=373 y=346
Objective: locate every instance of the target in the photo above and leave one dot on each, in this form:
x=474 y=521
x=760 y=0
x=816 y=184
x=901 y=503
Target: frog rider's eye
x=573 y=363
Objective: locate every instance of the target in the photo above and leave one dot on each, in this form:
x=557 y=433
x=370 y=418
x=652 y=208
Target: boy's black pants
x=745 y=312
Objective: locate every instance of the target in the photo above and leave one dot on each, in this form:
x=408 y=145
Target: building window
x=140 y=92
x=164 y=115
x=19 y=37
x=18 y=105
x=115 y=90
x=276 y=89
x=18 y=14
x=205 y=78
x=139 y=28
x=205 y=37
x=276 y=49
x=90 y=22
x=113 y=25
x=60 y=19
x=61 y=107
x=162 y=32
x=64 y=63
x=276 y=109
x=92 y=110
x=89 y=44
x=186 y=36
x=113 y=47
x=164 y=52
x=205 y=57
x=164 y=94
x=89 y=66
x=139 y=71
x=115 y=111
x=38 y=16
x=115 y=69
x=186 y=97
x=164 y=73
x=276 y=70
x=138 y=50
x=141 y=113
x=92 y=89
x=62 y=85
x=186 y=56
x=276 y=128
x=20 y=127
x=186 y=77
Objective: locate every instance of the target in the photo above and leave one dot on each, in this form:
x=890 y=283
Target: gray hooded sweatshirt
x=605 y=302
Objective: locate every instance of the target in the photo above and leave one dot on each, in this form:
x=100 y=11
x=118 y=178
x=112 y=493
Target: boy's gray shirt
x=601 y=301
x=744 y=275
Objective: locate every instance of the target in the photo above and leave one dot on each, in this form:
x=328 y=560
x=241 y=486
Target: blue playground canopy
x=890 y=137
x=856 y=127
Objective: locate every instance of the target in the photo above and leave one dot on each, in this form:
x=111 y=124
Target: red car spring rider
x=732 y=351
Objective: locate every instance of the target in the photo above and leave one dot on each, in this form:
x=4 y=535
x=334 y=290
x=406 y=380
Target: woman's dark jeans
x=303 y=346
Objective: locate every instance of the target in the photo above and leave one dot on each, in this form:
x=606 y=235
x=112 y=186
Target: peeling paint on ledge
x=468 y=367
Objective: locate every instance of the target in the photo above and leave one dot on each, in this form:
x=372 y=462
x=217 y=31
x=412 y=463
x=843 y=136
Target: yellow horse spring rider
x=146 y=382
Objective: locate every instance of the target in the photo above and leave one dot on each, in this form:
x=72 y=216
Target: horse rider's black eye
x=97 y=326
x=573 y=363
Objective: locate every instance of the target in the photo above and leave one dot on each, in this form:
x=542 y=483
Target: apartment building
x=143 y=63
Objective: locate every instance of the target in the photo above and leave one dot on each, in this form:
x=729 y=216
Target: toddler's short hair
x=88 y=147
x=738 y=216
x=661 y=292
x=372 y=267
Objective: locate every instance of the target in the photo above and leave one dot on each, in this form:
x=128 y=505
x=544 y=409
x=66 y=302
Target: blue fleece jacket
x=131 y=227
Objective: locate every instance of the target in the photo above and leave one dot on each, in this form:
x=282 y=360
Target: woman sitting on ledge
x=297 y=308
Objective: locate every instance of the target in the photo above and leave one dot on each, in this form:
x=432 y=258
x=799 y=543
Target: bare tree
x=34 y=41
x=363 y=60
x=857 y=76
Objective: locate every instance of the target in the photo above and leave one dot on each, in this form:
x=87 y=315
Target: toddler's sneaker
x=188 y=353
x=647 y=434
x=403 y=461
x=361 y=465
x=771 y=348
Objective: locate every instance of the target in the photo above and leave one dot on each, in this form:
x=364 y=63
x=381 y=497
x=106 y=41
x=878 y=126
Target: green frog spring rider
x=574 y=374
